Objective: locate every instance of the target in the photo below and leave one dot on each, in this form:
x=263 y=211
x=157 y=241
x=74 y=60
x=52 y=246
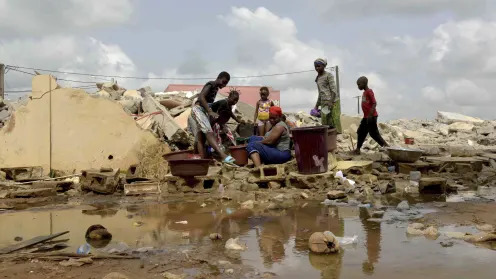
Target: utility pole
x=2 y=81
x=358 y=103
x=337 y=80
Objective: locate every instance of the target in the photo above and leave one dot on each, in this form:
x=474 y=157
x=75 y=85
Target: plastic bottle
x=84 y=249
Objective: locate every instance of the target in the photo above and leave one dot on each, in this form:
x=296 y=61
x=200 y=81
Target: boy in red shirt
x=369 y=121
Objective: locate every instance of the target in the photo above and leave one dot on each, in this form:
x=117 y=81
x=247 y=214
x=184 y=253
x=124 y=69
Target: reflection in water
x=277 y=240
x=373 y=241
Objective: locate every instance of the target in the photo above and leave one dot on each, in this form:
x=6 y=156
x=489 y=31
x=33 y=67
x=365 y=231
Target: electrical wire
x=159 y=78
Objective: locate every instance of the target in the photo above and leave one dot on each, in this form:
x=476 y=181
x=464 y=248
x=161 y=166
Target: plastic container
x=189 y=167
x=404 y=155
x=310 y=144
x=409 y=141
x=415 y=176
x=240 y=154
x=332 y=135
x=183 y=154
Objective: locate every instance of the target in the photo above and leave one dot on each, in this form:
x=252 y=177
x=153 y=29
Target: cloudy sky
x=420 y=55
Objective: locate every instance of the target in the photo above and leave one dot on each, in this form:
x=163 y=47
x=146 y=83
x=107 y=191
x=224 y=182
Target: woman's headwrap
x=322 y=61
x=275 y=111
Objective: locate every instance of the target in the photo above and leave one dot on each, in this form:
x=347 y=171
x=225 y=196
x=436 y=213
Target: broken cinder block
x=22 y=174
x=267 y=174
x=102 y=182
x=432 y=185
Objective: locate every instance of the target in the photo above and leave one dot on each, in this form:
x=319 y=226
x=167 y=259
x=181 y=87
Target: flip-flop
x=229 y=160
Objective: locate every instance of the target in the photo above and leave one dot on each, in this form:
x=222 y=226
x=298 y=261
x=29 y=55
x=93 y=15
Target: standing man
x=368 y=125
x=328 y=99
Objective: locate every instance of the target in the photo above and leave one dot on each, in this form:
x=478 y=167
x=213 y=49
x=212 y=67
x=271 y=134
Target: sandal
x=229 y=160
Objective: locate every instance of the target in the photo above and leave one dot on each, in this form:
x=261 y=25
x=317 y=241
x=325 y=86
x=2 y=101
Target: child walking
x=368 y=125
x=262 y=112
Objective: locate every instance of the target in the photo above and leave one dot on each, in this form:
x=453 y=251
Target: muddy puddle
x=277 y=241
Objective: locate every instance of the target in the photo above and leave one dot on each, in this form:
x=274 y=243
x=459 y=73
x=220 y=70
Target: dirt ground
x=467 y=214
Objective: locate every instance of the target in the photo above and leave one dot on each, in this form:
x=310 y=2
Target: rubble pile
x=5 y=112
x=94 y=136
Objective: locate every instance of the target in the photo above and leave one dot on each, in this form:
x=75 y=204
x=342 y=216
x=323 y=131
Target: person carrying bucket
x=328 y=99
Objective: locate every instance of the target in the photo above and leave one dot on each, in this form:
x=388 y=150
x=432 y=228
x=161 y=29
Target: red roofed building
x=248 y=94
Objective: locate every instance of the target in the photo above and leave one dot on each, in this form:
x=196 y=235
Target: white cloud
x=270 y=45
x=464 y=48
x=433 y=94
x=337 y=9
x=66 y=53
x=466 y=93
x=52 y=16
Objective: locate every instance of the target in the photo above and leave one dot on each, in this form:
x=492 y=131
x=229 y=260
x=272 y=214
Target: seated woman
x=274 y=147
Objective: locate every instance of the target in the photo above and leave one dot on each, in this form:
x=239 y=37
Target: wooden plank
x=29 y=243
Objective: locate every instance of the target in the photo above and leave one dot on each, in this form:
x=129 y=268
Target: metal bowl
x=404 y=155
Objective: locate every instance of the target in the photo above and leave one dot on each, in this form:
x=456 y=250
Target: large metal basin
x=404 y=155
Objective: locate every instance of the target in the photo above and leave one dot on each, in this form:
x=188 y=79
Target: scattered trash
x=339 y=175
x=230 y=271
x=203 y=205
x=84 y=249
x=138 y=224
x=415 y=176
x=347 y=240
x=182 y=222
x=234 y=244
x=185 y=235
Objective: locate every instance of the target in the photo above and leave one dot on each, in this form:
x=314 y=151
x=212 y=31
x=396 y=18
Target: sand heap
x=69 y=130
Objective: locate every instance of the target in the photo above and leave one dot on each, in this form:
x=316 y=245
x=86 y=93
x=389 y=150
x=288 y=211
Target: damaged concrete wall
x=87 y=132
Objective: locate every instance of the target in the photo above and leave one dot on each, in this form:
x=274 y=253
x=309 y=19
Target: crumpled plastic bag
x=347 y=240
x=234 y=244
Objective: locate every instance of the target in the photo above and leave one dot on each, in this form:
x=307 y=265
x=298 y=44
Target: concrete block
x=268 y=173
x=100 y=182
x=22 y=174
x=432 y=185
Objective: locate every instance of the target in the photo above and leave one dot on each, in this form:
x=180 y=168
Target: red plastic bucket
x=310 y=144
x=240 y=154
